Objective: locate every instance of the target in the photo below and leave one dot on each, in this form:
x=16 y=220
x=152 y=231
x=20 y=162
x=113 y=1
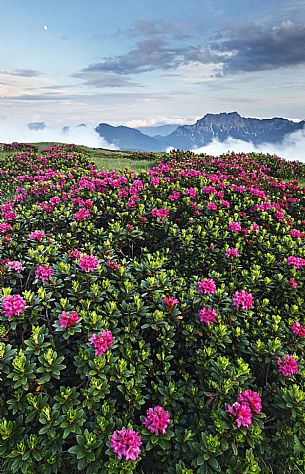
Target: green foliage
x=60 y=401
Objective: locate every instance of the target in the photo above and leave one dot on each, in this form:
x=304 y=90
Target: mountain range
x=212 y=126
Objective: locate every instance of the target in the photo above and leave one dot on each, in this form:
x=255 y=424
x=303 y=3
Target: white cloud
x=292 y=148
x=77 y=135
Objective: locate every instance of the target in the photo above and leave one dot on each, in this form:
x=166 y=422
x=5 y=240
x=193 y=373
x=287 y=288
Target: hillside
x=152 y=318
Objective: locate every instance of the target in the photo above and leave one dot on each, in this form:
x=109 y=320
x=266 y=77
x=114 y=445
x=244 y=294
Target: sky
x=140 y=63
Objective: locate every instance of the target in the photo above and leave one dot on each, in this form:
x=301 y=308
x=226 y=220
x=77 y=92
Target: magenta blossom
x=126 y=443
x=82 y=214
x=207 y=286
x=289 y=366
x=296 y=262
x=13 y=305
x=157 y=419
x=43 y=273
x=170 y=301
x=298 y=329
x=101 y=342
x=207 y=315
x=252 y=398
x=67 y=320
x=15 y=266
x=242 y=413
x=88 y=263
x=242 y=299
x=37 y=235
x=234 y=227
x=160 y=213
x=232 y=253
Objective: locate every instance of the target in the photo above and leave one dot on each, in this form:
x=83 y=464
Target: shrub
x=139 y=340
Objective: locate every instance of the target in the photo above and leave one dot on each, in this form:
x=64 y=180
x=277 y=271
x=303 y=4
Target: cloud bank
x=292 y=148
x=77 y=135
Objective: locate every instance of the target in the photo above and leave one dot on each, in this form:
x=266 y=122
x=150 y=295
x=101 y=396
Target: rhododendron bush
x=151 y=322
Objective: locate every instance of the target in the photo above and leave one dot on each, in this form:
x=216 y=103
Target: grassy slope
x=111 y=159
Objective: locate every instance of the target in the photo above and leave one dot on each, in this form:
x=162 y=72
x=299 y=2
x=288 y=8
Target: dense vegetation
x=151 y=322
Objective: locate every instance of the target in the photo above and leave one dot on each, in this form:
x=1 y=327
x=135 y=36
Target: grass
x=109 y=159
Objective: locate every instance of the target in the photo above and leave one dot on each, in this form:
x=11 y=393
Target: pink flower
x=234 y=226
x=160 y=213
x=242 y=413
x=126 y=443
x=170 y=301
x=157 y=419
x=207 y=315
x=43 y=272
x=88 y=263
x=296 y=233
x=5 y=227
x=289 y=366
x=15 y=266
x=296 y=262
x=174 y=196
x=206 y=286
x=255 y=227
x=212 y=206
x=242 y=299
x=293 y=283
x=82 y=214
x=37 y=235
x=252 y=398
x=101 y=342
x=298 y=329
x=279 y=215
x=67 y=320
x=13 y=305
x=74 y=253
x=232 y=253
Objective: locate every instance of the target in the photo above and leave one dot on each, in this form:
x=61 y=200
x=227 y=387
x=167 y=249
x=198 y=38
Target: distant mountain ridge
x=212 y=126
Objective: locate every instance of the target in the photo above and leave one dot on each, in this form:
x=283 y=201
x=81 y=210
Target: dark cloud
x=149 y=55
x=244 y=47
x=160 y=28
x=22 y=73
x=250 y=47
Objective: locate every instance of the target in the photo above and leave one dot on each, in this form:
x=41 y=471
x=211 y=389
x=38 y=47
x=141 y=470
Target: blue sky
x=139 y=62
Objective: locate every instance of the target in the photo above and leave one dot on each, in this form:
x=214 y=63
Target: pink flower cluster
x=207 y=286
x=174 y=196
x=88 y=263
x=13 y=305
x=14 y=266
x=246 y=401
x=288 y=366
x=296 y=262
x=232 y=253
x=126 y=443
x=234 y=227
x=43 y=273
x=242 y=299
x=170 y=301
x=37 y=235
x=298 y=329
x=82 y=214
x=67 y=320
x=5 y=227
x=157 y=419
x=160 y=213
x=101 y=342
x=207 y=315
